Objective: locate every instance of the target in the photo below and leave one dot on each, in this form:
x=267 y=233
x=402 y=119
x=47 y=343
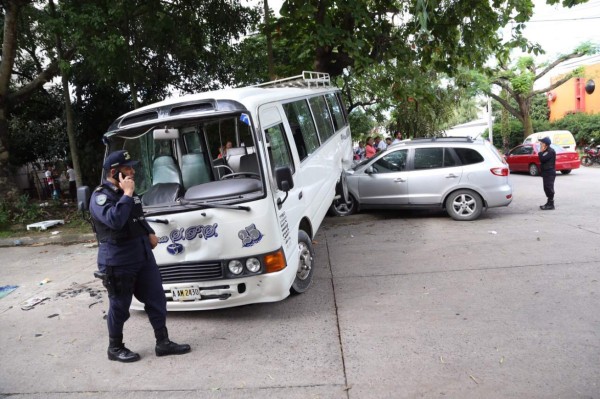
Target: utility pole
x=490 y=122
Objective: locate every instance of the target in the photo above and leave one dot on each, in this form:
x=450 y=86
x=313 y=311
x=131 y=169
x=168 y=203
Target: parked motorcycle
x=591 y=156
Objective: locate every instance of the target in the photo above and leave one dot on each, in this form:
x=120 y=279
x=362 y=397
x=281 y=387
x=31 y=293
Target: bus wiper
x=163 y=221
x=213 y=205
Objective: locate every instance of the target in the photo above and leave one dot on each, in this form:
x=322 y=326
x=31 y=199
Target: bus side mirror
x=283 y=177
x=83 y=198
x=285 y=182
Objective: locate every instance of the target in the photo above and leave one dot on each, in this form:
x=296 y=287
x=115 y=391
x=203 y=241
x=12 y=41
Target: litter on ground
x=45 y=224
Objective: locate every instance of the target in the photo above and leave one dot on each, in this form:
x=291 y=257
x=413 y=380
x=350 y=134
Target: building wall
x=572 y=97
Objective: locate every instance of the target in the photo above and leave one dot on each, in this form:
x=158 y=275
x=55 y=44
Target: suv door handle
x=399 y=180
x=451 y=176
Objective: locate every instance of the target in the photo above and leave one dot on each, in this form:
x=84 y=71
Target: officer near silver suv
x=547 y=157
x=125 y=259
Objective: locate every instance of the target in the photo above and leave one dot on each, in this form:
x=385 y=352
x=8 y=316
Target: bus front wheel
x=306 y=256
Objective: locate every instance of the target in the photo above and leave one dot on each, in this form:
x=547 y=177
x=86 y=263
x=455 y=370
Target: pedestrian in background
x=125 y=258
x=398 y=137
x=379 y=144
x=547 y=157
x=370 y=150
x=70 y=174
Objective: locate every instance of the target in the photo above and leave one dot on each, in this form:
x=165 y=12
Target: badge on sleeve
x=101 y=199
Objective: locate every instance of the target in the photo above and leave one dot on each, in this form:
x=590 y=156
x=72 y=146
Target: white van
x=562 y=138
x=235 y=221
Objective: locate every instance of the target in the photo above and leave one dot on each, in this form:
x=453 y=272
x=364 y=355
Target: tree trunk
x=269 y=42
x=64 y=73
x=9 y=50
x=524 y=107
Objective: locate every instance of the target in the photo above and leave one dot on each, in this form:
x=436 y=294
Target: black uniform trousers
x=548 y=178
x=146 y=284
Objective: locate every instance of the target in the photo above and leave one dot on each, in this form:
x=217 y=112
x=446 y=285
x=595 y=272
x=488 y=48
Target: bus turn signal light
x=275 y=262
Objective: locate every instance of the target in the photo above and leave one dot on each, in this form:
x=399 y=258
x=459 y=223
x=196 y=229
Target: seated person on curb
x=125 y=259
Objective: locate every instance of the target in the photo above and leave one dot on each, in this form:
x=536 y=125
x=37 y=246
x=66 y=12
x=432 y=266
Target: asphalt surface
x=403 y=305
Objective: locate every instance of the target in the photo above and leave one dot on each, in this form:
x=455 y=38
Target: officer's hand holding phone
x=127 y=184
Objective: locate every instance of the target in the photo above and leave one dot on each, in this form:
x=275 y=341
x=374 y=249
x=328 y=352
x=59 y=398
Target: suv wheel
x=339 y=207
x=464 y=205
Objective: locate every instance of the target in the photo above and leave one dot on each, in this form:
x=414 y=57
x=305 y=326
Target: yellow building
x=572 y=96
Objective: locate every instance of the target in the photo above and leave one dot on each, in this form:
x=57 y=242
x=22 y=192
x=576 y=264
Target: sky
x=560 y=30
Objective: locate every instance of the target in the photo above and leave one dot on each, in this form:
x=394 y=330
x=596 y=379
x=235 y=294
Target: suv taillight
x=499 y=171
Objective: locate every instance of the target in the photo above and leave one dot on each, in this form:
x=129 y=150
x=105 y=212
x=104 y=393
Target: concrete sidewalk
x=49 y=238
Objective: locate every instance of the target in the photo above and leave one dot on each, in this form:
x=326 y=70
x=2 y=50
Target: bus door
x=277 y=144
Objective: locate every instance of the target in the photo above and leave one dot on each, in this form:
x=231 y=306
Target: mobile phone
x=116 y=176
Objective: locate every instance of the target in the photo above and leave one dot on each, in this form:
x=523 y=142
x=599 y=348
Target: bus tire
x=305 y=268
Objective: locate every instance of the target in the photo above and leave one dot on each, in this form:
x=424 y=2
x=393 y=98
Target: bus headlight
x=253 y=265
x=235 y=266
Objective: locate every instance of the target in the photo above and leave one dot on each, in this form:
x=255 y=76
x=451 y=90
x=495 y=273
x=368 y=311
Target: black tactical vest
x=136 y=225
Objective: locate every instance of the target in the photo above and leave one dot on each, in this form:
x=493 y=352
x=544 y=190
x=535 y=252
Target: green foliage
x=361 y=124
x=19 y=211
x=584 y=127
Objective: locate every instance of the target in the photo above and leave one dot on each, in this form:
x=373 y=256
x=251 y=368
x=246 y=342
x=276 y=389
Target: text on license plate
x=186 y=294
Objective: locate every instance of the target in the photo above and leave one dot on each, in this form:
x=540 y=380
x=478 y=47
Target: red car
x=524 y=158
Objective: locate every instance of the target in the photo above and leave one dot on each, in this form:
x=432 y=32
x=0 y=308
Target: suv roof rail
x=467 y=139
x=308 y=79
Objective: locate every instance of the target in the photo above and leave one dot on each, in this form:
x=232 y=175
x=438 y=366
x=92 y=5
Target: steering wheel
x=240 y=174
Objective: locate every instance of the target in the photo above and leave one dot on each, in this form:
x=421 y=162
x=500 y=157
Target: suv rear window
x=468 y=156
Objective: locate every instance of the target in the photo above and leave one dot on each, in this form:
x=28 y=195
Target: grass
x=67 y=211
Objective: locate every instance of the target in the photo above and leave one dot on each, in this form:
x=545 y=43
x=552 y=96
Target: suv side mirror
x=83 y=198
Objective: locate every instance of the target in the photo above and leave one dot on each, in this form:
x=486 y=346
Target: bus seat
x=249 y=163
x=194 y=170
x=233 y=157
x=165 y=170
x=221 y=168
x=166 y=182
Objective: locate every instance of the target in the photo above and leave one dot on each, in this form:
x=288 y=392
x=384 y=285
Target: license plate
x=186 y=293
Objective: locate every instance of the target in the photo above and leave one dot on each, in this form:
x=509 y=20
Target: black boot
x=548 y=206
x=117 y=351
x=165 y=347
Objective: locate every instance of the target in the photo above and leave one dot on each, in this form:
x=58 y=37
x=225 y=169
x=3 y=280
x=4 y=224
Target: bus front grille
x=187 y=272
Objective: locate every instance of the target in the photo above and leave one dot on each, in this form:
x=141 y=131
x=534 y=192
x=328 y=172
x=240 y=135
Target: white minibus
x=562 y=138
x=236 y=183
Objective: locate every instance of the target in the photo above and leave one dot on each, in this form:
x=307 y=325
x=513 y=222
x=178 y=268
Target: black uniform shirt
x=121 y=228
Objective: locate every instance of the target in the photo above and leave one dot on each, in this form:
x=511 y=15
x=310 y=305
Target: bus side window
x=322 y=117
x=279 y=148
x=303 y=127
x=336 y=111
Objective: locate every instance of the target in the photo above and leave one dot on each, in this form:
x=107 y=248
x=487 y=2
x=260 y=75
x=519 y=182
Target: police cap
x=118 y=158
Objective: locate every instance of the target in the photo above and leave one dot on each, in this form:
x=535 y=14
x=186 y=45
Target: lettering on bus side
x=190 y=233
x=285 y=228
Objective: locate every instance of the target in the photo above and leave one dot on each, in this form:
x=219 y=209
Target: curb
x=60 y=239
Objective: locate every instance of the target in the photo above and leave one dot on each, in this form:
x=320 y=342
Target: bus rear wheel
x=305 y=271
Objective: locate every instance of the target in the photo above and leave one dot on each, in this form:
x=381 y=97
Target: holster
x=116 y=284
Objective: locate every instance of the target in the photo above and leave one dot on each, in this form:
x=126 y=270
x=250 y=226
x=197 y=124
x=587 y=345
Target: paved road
x=404 y=305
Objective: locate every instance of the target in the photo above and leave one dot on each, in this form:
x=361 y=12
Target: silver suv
x=462 y=175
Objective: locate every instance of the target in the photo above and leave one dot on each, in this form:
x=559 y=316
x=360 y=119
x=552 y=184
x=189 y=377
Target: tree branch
x=507 y=106
x=553 y=85
x=556 y=62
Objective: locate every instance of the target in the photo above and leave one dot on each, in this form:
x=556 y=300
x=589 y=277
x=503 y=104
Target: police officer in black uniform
x=547 y=157
x=125 y=260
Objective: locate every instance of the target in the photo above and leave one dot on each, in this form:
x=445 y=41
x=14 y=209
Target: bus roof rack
x=308 y=79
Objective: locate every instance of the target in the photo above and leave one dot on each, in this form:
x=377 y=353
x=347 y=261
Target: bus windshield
x=211 y=159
